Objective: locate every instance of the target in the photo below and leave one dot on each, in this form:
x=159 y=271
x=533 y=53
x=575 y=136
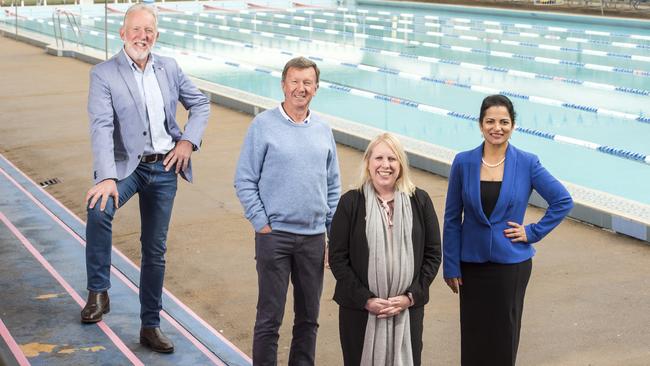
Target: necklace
x=493 y=165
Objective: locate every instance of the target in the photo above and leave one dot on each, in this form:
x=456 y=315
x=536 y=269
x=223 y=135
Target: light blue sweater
x=288 y=174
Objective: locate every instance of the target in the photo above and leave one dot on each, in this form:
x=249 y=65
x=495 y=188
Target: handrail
x=56 y=25
x=71 y=21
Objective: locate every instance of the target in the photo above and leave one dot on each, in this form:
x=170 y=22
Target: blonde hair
x=403 y=182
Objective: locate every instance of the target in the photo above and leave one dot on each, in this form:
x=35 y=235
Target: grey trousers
x=281 y=255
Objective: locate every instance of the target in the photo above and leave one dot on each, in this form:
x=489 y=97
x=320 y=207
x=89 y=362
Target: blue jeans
x=156 y=189
x=280 y=256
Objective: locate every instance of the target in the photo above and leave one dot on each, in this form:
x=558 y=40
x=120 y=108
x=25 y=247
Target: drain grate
x=49 y=182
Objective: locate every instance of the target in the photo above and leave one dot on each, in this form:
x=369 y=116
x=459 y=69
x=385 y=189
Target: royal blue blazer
x=469 y=236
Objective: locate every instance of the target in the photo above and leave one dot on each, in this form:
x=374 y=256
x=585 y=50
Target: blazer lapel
x=475 y=183
x=163 y=83
x=127 y=74
x=507 y=186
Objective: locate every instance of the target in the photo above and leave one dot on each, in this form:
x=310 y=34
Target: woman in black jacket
x=384 y=252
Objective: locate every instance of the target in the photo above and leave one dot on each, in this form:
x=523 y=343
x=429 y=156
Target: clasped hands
x=386 y=308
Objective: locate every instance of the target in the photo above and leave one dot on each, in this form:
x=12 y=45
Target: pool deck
x=587 y=302
x=43 y=283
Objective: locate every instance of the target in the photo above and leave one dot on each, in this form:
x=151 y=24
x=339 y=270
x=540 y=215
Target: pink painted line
x=193 y=339
x=167 y=10
x=302 y=5
x=173 y=321
x=113 y=10
x=105 y=328
x=262 y=7
x=217 y=8
x=113 y=269
x=13 y=346
x=208 y=326
x=39 y=187
x=40 y=205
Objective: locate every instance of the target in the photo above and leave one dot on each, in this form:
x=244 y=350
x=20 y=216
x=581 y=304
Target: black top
x=348 y=249
x=489 y=196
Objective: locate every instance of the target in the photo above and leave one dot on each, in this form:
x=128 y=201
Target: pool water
x=581 y=86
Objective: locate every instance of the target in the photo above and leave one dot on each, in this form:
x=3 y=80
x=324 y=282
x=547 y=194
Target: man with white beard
x=138 y=148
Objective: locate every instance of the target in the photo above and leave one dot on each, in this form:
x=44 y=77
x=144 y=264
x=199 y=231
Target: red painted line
x=113 y=269
x=13 y=346
x=105 y=328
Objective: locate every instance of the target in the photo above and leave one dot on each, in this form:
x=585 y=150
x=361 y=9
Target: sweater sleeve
x=339 y=256
x=432 y=253
x=333 y=183
x=247 y=177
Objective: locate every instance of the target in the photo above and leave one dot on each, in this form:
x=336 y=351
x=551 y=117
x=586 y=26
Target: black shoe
x=155 y=339
x=97 y=305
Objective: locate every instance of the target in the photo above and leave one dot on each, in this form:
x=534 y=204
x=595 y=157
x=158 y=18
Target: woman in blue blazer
x=487 y=249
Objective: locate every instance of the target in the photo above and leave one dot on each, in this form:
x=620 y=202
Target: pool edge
x=594 y=207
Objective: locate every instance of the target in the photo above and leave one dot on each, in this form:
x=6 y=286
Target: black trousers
x=491 y=306
x=352 y=330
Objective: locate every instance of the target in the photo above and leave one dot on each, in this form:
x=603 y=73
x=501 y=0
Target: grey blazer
x=117 y=115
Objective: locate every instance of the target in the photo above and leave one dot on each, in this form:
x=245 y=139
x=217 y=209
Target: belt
x=152 y=158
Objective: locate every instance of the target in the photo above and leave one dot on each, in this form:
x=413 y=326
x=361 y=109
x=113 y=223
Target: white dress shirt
x=159 y=141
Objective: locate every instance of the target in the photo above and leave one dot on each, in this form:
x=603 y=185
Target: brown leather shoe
x=155 y=339
x=97 y=305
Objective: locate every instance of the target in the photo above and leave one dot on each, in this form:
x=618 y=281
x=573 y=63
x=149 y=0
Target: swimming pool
x=581 y=86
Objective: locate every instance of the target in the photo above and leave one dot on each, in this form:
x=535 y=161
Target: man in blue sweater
x=288 y=182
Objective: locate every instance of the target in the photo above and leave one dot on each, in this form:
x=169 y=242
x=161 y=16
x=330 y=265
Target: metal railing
x=71 y=22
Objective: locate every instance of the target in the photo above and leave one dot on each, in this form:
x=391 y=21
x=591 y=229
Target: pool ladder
x=71 y=21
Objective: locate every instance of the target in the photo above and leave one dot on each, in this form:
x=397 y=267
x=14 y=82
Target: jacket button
x=144 y=133
x=139 y=156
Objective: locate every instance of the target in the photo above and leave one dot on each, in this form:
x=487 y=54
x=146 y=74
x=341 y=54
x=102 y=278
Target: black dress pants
x=491 y=306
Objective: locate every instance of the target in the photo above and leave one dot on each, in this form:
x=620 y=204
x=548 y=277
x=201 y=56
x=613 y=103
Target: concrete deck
x=587 y=302
x=45 y=287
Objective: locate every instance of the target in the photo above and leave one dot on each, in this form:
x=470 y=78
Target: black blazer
x=348 y=249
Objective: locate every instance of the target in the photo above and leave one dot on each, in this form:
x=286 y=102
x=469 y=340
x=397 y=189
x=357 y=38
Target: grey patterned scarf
x=390 y=271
